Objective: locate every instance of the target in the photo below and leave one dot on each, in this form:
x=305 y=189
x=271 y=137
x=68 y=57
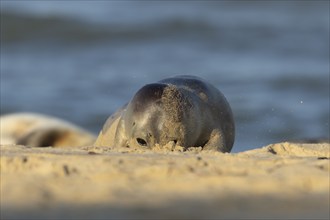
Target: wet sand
x=284 y=180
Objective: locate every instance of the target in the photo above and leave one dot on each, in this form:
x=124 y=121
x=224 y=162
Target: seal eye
x=141 y=141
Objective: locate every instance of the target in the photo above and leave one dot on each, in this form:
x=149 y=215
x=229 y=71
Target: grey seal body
x=38 y=130
x=183 y=109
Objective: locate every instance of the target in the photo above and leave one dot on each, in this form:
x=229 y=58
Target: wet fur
x=183 y=109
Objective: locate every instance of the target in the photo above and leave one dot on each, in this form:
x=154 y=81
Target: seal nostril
x=141 y=141
x=175 y=141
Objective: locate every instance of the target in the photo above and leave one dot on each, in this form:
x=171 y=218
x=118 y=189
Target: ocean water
x=81 y=60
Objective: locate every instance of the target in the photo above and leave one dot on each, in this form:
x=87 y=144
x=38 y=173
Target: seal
x=186 y=110
x=38 y=130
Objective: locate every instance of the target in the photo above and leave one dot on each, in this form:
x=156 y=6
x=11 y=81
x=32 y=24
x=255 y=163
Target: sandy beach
x=284 y=180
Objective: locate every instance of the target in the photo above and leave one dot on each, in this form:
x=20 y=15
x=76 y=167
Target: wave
x=17 y=27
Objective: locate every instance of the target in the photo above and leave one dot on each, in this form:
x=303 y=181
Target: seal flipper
x=120 y=139
x=112 y=119
x=106 y=136
x=45 y=137
x=216 y=142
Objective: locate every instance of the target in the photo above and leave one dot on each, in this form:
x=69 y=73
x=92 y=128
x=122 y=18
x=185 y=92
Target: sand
x=284 y=180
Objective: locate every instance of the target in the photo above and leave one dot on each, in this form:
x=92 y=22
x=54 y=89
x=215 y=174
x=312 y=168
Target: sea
x=82 y=60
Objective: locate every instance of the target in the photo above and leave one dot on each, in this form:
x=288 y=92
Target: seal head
x=155 y=116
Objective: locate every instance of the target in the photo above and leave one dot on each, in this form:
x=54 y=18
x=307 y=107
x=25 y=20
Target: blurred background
x=81 y=60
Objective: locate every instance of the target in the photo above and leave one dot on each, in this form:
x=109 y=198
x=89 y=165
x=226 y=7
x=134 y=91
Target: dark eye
x=141 y=141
